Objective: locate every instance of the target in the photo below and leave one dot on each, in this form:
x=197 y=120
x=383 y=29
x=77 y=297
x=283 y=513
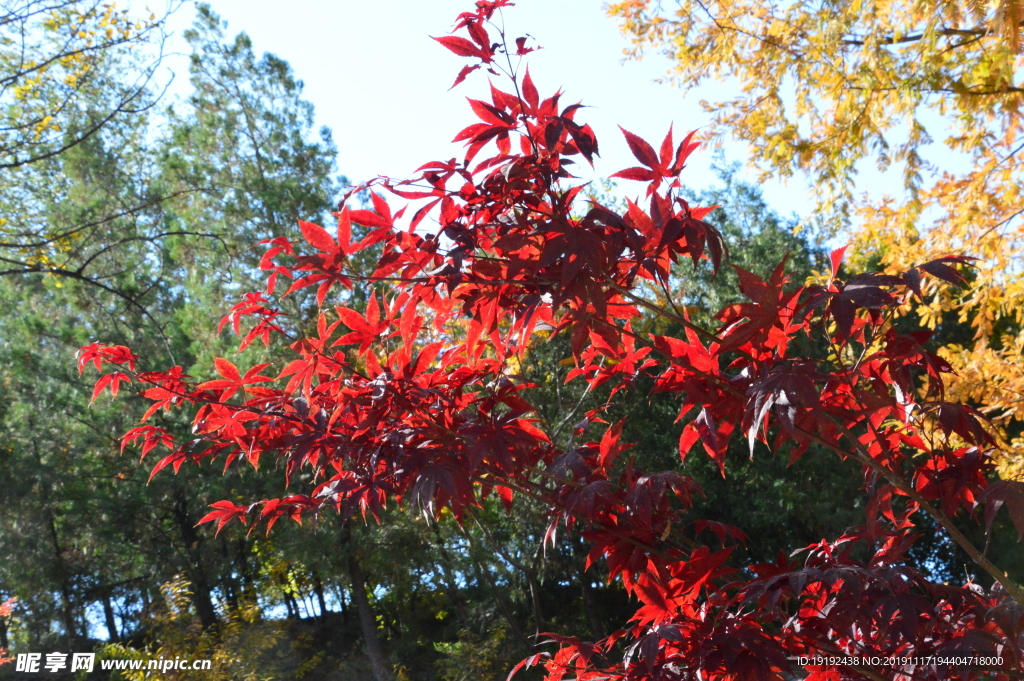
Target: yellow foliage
x=824 y=86
x=53 y=95
x=46 y=57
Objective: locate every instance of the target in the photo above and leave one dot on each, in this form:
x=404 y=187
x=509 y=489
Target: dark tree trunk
x=245 y=586
x=289 y=603
x=367 y=620
x=108 y=614
x=343 y=603
x=69 y=616
x=318 y=589
x=67 y=609
x=590 y=607
x=230 y=592
x=4 y=643
x=538 y=613
x=228 y=577
x=201 y=587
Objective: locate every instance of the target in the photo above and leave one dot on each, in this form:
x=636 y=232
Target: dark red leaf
x=641 y=149
x=635 y=173
x=942 y=268
x=1008 y=493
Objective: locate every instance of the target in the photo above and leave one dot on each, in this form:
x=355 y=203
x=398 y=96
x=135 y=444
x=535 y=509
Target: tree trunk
x=230 y=592
x=108 y=614
x=201 y=588
x=228 y=578
x=289 y=602
x=343 y=603
x=241 y=560
x=590 y=607
x=367 y=620
x=538 y=613
x=67 y=610
x=318 y=589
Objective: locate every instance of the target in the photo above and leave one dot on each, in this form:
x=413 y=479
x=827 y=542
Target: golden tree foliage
x=68 y=69
x=48 y=55
x=824 y=85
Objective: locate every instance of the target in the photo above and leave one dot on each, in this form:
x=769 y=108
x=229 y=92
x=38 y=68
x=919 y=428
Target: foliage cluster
x=416 y=398
x=824 y=88
x=486 y=372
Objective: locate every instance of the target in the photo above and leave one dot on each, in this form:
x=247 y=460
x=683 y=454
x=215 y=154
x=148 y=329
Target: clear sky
x=381 y=84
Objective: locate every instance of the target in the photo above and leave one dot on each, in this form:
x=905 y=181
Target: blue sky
x=381 y=84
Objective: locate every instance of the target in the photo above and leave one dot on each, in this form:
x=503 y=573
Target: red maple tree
x=5 y=611
x=414 y=399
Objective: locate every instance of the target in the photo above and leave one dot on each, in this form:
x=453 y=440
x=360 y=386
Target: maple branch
x=668 y=296
x=548 y=501
x=572 y=412
x=513 y=76
x=723 y=28
x=716 y=380
x=667 y=314
x=997 y=225
x=937 y=515
x=950 y=90
x=797 y=56
x=901 y=484
x=150 y=238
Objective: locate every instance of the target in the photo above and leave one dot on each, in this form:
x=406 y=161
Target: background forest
x=121 y=203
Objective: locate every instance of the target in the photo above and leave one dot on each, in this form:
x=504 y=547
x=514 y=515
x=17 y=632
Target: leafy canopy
x=824 y=87
x=415 y=398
